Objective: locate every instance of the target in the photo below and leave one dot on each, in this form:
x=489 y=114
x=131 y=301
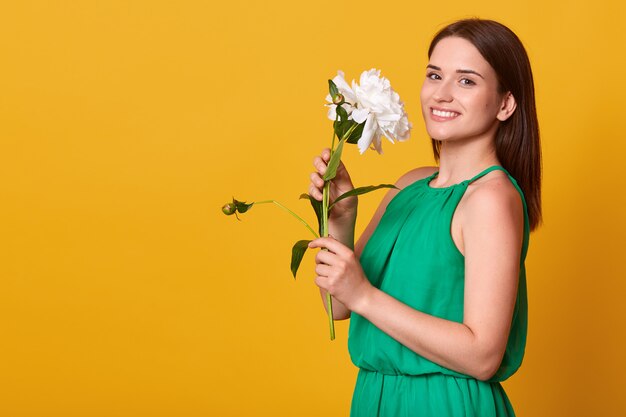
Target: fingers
x=319 y=165
x=319 y=162
x=321 y=282
x=316 y=180
x=315 y=193
x=325 y=257
x=317 y=183
x=326 y=154
x=331 y=244
x=315 y=187
x=322 y=270
x=341 y=180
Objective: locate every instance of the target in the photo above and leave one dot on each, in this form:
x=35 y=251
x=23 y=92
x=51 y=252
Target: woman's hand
x=340 y=273
x=342 y=183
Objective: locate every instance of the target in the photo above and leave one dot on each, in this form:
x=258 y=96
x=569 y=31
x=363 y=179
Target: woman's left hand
x=340 y=273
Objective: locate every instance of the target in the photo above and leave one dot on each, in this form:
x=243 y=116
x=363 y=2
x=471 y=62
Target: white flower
x=374 y=102
x=379 y=106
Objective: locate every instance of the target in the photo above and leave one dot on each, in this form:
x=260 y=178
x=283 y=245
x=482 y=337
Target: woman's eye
x=433 y=76
x=467 y=81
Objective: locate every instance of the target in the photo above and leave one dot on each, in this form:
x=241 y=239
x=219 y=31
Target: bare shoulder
x=493 y=198
x=415 y=175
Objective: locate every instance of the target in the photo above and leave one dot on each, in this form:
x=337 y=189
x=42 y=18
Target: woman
x=435 y=287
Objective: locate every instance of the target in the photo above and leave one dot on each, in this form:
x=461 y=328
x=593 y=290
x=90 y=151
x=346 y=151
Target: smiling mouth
x=444 y=114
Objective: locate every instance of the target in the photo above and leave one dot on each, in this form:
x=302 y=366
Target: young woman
x=435 y=287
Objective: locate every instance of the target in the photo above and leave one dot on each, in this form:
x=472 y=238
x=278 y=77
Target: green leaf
x=297 y=253
x=317 y=207
x=332 y=88
x=242 y=207
x=333 y=164
x=356 y=134
x=343 y=114
x=342 y=126
x=362 y=190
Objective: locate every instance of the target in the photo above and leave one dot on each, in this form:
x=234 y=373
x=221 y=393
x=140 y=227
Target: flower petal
x=377 y=142
x=368 y=132
x=332 y=112
x=343 y=87
x=360 y=115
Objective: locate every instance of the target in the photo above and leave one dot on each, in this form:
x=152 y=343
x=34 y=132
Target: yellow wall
x=125 y=125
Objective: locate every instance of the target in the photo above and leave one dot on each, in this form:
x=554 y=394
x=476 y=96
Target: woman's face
x=460 y=98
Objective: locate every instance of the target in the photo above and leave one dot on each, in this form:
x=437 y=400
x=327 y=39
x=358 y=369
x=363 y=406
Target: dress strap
x=488 y=170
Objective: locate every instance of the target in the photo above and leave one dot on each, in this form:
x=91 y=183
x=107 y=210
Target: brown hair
x=517 y=139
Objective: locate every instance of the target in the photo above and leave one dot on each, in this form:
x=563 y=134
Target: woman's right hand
x=344 y=209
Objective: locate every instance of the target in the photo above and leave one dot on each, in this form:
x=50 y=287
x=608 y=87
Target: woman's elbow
x=485 y=374
x=487 y=367
x=341 y=315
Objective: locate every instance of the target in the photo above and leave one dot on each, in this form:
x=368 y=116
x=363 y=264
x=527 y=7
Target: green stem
x=329 y=299
x=325 y=205
x=332 y=143
x=325 y=212
x=331 y=322
x=290 y=212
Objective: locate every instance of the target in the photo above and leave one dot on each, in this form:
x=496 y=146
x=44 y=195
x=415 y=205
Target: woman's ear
x=507 y=108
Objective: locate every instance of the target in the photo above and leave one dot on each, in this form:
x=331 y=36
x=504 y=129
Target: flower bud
x=229 y=209
x=338 y=99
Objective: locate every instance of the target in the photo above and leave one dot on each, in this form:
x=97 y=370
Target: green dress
x=412 y=257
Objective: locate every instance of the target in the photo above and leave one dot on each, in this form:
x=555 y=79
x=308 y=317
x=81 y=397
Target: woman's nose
x=443 y=93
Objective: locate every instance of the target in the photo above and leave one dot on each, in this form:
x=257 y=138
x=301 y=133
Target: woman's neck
x=459 y=161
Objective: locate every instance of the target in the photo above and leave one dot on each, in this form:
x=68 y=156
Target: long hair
x=517 y=139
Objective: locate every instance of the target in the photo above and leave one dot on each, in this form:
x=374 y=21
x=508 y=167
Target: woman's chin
x=441 y=137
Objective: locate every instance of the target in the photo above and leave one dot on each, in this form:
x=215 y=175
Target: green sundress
x=412 y=257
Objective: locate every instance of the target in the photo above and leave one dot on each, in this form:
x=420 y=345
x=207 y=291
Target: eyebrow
x=459 y=71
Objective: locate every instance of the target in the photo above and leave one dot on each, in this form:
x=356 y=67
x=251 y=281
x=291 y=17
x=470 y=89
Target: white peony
x=374 y=102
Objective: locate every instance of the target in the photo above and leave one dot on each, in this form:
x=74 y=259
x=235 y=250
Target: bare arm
x=492 y=234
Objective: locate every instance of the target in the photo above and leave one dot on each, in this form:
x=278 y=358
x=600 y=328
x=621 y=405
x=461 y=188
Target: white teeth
x=444 y=113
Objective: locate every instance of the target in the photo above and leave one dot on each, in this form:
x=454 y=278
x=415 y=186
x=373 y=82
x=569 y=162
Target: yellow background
x=125 y=125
